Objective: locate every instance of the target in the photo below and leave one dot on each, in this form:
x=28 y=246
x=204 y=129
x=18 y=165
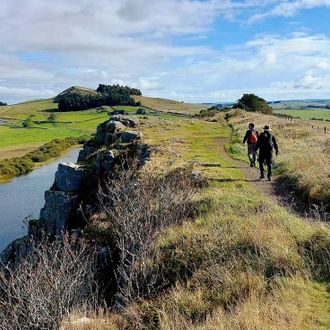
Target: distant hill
x=169 y=105
x=75 y=90
x=300 y=104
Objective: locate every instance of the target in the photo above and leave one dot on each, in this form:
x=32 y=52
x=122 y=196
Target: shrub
x=135 y=209
x=52 y=281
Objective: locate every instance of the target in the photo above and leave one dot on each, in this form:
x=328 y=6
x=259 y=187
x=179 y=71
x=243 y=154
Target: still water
x=24 y=197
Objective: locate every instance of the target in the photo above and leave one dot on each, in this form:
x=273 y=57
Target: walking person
x=251 y=137
x=266 y=144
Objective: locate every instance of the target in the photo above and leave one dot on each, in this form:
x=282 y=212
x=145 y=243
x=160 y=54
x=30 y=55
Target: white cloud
x=165 y=48
x=308 y=82
x=321 y=64
x=26 y=93
x=147 y=84
x=288 y=8
x=270 y=59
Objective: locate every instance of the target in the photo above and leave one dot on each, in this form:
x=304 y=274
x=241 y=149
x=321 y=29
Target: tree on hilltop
x=106 y=95
x=253 y=103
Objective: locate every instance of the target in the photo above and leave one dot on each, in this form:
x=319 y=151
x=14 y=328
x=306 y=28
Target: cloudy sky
x=187 y=50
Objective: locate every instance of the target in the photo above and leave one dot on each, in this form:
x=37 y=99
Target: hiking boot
x=269 y=178
x=262 y=177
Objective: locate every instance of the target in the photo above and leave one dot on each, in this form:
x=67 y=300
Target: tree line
x=106 y=95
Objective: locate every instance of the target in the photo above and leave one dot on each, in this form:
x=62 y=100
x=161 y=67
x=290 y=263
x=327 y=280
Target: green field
x=41 y=129
x=27 y=108
x=46 y=122
x=322 y=114
x=231 y=256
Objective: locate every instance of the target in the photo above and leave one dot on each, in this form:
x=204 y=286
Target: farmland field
x=306 y=113
x=305 y=109
x=46 y=122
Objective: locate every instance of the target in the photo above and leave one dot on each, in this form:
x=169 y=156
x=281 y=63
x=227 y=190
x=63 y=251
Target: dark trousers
x=251 y=152
x=268 y=158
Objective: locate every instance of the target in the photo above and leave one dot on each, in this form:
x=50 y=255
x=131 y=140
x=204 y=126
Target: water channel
x=24 y=197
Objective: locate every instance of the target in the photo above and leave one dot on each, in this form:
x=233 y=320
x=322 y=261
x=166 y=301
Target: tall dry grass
x=240 y=262
x=304 y=152
x=243 y=263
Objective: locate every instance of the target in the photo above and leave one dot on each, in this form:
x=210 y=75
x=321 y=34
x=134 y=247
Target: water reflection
x=24 y=196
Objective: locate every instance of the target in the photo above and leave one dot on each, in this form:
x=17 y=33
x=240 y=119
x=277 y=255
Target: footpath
x=275 y=189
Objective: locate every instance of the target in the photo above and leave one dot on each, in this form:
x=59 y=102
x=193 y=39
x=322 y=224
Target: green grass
x=241 y=261
x=28 y=108
x=129 y=109
x=299 y=142
x=244 y=262
x=22 y=165
x=27 y=136
x=67 y=124
x=306 y=114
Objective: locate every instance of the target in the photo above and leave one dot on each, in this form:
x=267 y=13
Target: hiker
x=266 y=143
x=251 y=137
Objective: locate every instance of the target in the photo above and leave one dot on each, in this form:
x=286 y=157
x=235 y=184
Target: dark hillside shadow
x=53 y=110
x=225 y=180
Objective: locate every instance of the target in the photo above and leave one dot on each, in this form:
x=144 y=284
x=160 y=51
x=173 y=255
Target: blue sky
x=187 y=50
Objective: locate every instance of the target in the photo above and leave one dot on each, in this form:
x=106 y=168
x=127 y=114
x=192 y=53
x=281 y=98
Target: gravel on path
x=275 y=189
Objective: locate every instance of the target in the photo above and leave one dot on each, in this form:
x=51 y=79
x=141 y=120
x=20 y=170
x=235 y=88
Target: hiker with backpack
x=266 y=144
x=251 y=137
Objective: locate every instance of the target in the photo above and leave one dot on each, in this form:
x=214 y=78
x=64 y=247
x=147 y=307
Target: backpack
x=253 y=137
x=270 y=141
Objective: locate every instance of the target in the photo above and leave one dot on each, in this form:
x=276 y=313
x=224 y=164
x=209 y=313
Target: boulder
x=128 y=136
x=56 y=212
x=129 y=122
x=15 y=251
x=68 y=176
x=115 y=126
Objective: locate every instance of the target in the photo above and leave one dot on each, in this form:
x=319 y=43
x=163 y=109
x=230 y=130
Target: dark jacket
x=248 y=134
x=266 y=143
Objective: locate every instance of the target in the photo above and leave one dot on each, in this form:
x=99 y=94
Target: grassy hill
x=75 y=90
x=169 y=105
x=241 y=259
x=17 y=140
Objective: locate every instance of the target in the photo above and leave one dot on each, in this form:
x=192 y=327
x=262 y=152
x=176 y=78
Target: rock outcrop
x=61 y=200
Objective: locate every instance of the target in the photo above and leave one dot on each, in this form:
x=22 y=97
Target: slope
x=244 y=260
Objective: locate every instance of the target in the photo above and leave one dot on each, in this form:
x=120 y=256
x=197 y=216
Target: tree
x=107 y=95
x=253 y=103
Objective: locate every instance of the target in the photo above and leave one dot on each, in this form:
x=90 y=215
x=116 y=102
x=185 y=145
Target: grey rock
x=68 y=176
x=115 y=126
x=128 y=136
x=15 y=251
x=56 y=212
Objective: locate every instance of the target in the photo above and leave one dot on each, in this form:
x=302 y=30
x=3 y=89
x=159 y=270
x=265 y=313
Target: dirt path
x=275 y=189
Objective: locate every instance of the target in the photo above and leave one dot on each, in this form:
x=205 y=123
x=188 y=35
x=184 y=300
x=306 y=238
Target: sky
x=194 y=51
